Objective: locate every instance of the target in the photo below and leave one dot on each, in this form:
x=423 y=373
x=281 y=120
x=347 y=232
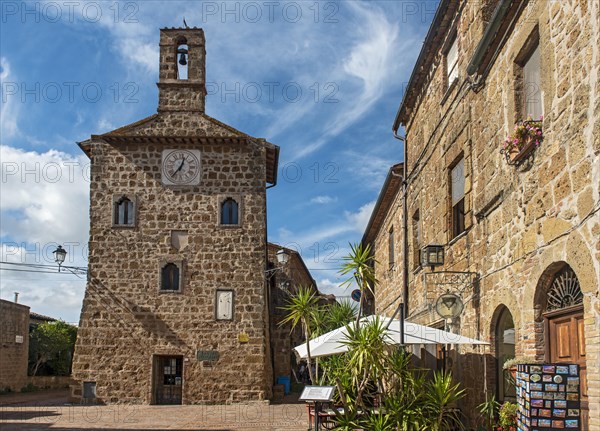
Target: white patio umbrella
x=332 y=343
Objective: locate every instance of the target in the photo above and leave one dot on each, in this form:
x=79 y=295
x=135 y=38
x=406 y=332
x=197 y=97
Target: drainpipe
x=404 y=224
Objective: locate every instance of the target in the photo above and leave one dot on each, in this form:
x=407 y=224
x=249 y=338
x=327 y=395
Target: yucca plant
x=301 y=310
x=441 y=398
x=360 y=264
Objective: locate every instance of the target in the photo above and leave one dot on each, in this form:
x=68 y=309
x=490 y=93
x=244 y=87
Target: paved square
x=51 y=414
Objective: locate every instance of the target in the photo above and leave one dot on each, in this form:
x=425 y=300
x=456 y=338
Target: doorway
x=564 y=327
x=167 y=380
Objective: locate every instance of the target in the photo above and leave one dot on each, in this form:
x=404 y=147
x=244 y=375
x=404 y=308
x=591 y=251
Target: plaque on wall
x=207 y=355
x=548 y=397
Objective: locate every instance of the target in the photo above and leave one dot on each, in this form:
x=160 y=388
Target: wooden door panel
x=581 y=337
x=567 y=345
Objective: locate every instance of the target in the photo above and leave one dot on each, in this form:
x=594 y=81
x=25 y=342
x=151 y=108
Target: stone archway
x=503 y=339
x=560 y=325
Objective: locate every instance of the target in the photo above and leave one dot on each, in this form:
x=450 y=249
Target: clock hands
x=179 y=168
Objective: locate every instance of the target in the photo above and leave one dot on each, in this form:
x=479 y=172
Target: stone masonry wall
x=126 y=320
x=520 y=220
x=14 y=355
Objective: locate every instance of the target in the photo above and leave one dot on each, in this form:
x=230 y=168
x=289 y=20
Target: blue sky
x=322 y=80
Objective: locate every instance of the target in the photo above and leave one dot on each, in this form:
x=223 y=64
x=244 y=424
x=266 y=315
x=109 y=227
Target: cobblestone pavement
x=38 y=413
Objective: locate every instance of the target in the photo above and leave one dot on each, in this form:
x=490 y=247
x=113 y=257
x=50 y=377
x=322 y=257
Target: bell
x=182 y=59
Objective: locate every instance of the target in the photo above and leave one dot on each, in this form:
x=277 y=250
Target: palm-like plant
x=360 y=264
x=338 y=315
x=367 y=354
x=442 y=396
x=301 y=310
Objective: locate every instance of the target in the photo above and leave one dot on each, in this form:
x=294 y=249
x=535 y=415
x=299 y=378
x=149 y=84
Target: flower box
x=526 y=136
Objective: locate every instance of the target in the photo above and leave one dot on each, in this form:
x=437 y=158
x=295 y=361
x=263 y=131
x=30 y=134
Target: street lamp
x=282 y=259
x=59 y=256
x=432 y=255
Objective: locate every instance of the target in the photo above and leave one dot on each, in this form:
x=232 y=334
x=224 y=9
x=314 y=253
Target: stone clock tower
x=175 y=309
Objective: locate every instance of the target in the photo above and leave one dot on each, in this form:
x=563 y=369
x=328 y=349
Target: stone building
x=14 y=350
x=282 y=284
x=383 y=233
x=175 y=309
x=520 y=236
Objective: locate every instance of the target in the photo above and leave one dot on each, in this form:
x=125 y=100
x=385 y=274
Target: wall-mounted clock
x=181 y=167
x=224 y=305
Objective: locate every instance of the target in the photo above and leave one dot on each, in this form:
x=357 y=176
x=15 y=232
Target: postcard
x=573 y=380
x=547 y=378
x=559 y=413
x=545 y=423
x=537 y=403
x=572 y=387
x=534 y=422
x=537 y=394
x=536 y=369
x=536 y=386
x=548 y=395
x=558 y=424
x=573 y=412
x=561 y=388
x=551 y=387
x=572 y=397
x=562 y=369
x=549 y=369
x=572 y=423
x=548 y=404
x=560 y=404
x=559 y=395
x=534 y=412
x=546 y=413
x=573 y=370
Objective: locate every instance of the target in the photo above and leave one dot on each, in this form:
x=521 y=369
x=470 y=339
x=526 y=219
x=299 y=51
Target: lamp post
x=283 y=258
x=59 y=256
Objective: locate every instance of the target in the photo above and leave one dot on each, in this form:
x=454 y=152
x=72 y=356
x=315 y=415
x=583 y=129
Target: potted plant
x=507 y=417
x=526 y=136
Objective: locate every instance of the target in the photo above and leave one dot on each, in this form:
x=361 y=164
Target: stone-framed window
x=451 y=61
x=416 y=239
x=391 y=245
x=457 y=197
x=528 y=80
x=230 y=211
x=124 y=211
x=171 y=276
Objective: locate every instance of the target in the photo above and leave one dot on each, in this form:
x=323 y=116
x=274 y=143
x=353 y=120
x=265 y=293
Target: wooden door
x=168 y=379
x=567 y=345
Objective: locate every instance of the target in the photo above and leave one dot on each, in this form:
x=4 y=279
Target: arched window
x=505 y=349
x=169 y=277
x=229 y=211
x=182 y=59
x=565 y=291
x=124 y=212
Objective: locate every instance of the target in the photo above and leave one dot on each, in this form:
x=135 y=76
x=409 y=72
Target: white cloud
x=9 y=110
x=323 y=199
x=44 y=201
x=360 y=219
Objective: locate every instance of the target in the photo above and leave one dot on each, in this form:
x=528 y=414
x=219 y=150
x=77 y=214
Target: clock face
x=224 y=305
x=181 y=167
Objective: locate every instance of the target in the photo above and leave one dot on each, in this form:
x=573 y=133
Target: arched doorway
x=505 y=349
x=562 y=310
